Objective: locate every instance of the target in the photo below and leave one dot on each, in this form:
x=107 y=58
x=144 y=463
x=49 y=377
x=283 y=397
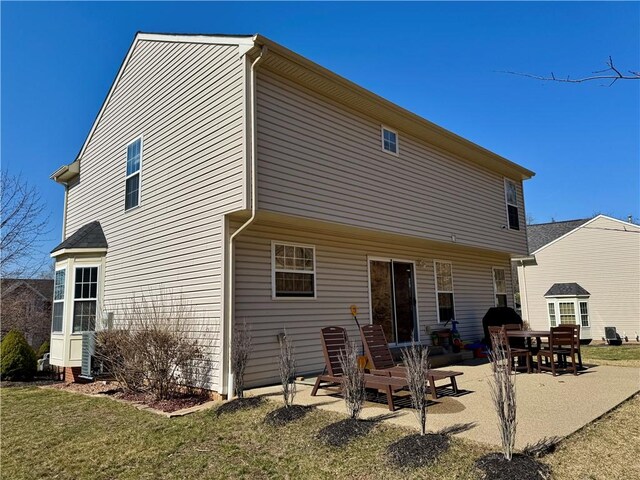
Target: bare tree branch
x=610 y=73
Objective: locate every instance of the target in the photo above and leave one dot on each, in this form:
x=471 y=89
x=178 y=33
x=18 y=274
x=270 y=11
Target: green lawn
x=49 y=433
x=623 y=355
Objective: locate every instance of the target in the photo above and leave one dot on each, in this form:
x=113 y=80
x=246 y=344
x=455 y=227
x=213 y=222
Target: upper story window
x=134 y=165
x=500 y=287
x=294 y=271
x=444 y=291
x=389 y=140
x=511 y=197
x=85 y=299
x=58 y=301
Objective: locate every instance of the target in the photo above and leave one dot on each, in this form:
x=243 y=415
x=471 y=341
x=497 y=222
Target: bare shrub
x=153 y=349
x=287 y=370
x=503 y=394
x=353 y=380
x=240 y=349
x=416 y=361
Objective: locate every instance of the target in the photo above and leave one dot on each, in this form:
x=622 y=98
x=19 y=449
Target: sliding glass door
x=393 y=299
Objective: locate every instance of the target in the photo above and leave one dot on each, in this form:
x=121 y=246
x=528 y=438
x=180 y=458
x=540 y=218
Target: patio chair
x=334 y=340
x=558 y=352
x=575 y=331
x=515 y=342
x=379 y=355
x=500 y=340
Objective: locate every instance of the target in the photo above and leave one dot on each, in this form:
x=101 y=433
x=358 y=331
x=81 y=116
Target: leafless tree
x=287 y=370
x=353 y=380
x=611 y=74
x=240 y=349
x=416 y=361
x=23 y=224
x=503 y=394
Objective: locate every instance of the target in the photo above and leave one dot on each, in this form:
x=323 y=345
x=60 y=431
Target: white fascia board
x=72 y=251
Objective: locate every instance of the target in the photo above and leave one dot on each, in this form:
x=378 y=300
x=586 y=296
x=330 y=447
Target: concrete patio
x=547 y=406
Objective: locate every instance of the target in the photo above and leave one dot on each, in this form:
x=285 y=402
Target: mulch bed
x=417 y=450
x=170 y=405
x=284 y=415
x=238 y=404
x=521 y=467
x=341 y=433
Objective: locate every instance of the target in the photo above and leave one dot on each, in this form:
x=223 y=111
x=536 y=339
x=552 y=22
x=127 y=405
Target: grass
x=623 y=355
x=48 y=433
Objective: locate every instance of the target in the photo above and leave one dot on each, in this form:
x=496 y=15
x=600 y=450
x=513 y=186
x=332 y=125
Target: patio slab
x=548 y=406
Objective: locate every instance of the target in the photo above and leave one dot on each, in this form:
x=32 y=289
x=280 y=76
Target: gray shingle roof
x=87 y=236
x=541 y=234
x=572 y=289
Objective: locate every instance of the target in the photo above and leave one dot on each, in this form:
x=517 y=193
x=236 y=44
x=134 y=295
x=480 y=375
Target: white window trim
x=576 y=305
x=273 y=271
x=73 y=294
x=415 y=289
x=138 y=172
x=507 y=204
x=495 y=287
x=579 y=313
x=382 y=129
x=453 y=295
x=62 y=300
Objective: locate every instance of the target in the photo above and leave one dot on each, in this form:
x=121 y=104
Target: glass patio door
x=393 y=299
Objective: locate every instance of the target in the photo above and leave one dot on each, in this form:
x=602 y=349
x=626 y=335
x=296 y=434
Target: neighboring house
x=25 y=305
x=267 y=189
x=585 y=272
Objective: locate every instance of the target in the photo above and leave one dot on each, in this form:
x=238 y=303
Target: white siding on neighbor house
x=186 y=101
x=342 y=280
x=321 y=160
x=603 y=256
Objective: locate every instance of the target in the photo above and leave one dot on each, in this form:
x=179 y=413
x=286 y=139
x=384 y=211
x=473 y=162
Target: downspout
x=228 y=388
x=64 y=212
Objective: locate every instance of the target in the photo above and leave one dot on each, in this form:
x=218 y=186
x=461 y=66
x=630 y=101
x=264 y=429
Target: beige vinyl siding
x=186 y=100
x=321 y=160
x=342 y=280
x=605 y=260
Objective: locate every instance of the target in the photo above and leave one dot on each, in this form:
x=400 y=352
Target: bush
x=352 y=380
x=44 y=348
x=287 y=370
x=240 y=349
x=17 y=359
x=416 y=361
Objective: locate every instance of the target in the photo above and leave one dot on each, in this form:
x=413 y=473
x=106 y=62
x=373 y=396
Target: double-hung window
x=132 y=181
x=444 y=291
x=511 y=197
x=294 y=271
x=568 y=311
x=58 y=301
x=500 y=287
x=584 y=314
x=389 y=140
x=552 y=314
x=85 y=299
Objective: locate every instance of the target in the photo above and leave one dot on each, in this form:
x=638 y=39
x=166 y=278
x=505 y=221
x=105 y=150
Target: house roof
x=566 y=289
x=41 y=286
x=87 y=236
x=541 y=234
x=303 y=71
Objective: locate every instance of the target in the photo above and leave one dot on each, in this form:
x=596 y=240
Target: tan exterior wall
x=342 y=280
x=603 y=256
x=321 y=160
x=187 y=101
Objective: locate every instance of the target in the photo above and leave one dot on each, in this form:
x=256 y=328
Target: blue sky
x=439 y=60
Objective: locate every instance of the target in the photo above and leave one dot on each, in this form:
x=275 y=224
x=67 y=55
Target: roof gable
x=87 y=236
x=41 y=287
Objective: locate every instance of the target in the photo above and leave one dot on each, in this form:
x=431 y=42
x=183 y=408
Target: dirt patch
x=92 y=388
x=418 y=450
x=284 y=415
x=238 y=404
x=521 y=467
x=169 y=405
x=341 y=433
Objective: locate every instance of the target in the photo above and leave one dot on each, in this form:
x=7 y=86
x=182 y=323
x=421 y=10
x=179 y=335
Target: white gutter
x=227 y=388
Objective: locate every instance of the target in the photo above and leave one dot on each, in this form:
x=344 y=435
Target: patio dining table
x=528 y=335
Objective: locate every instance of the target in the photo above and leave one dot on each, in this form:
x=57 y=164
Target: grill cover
x=496 y=317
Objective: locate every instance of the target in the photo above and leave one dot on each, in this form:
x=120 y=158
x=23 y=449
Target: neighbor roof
x=88 y=236
x=42 y=286
x=543 y=233
x=566 y=289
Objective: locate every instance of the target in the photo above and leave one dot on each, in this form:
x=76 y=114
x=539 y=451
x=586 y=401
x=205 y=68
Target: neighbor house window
x=389 y=140
x=567 y=313
x=511 y=196
x=500 y=287
x=85 y=299
x=294 y=271
x=58 y=300
x=552 y=314
x=132 y=182
x=584 y=314
x=444 y=291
